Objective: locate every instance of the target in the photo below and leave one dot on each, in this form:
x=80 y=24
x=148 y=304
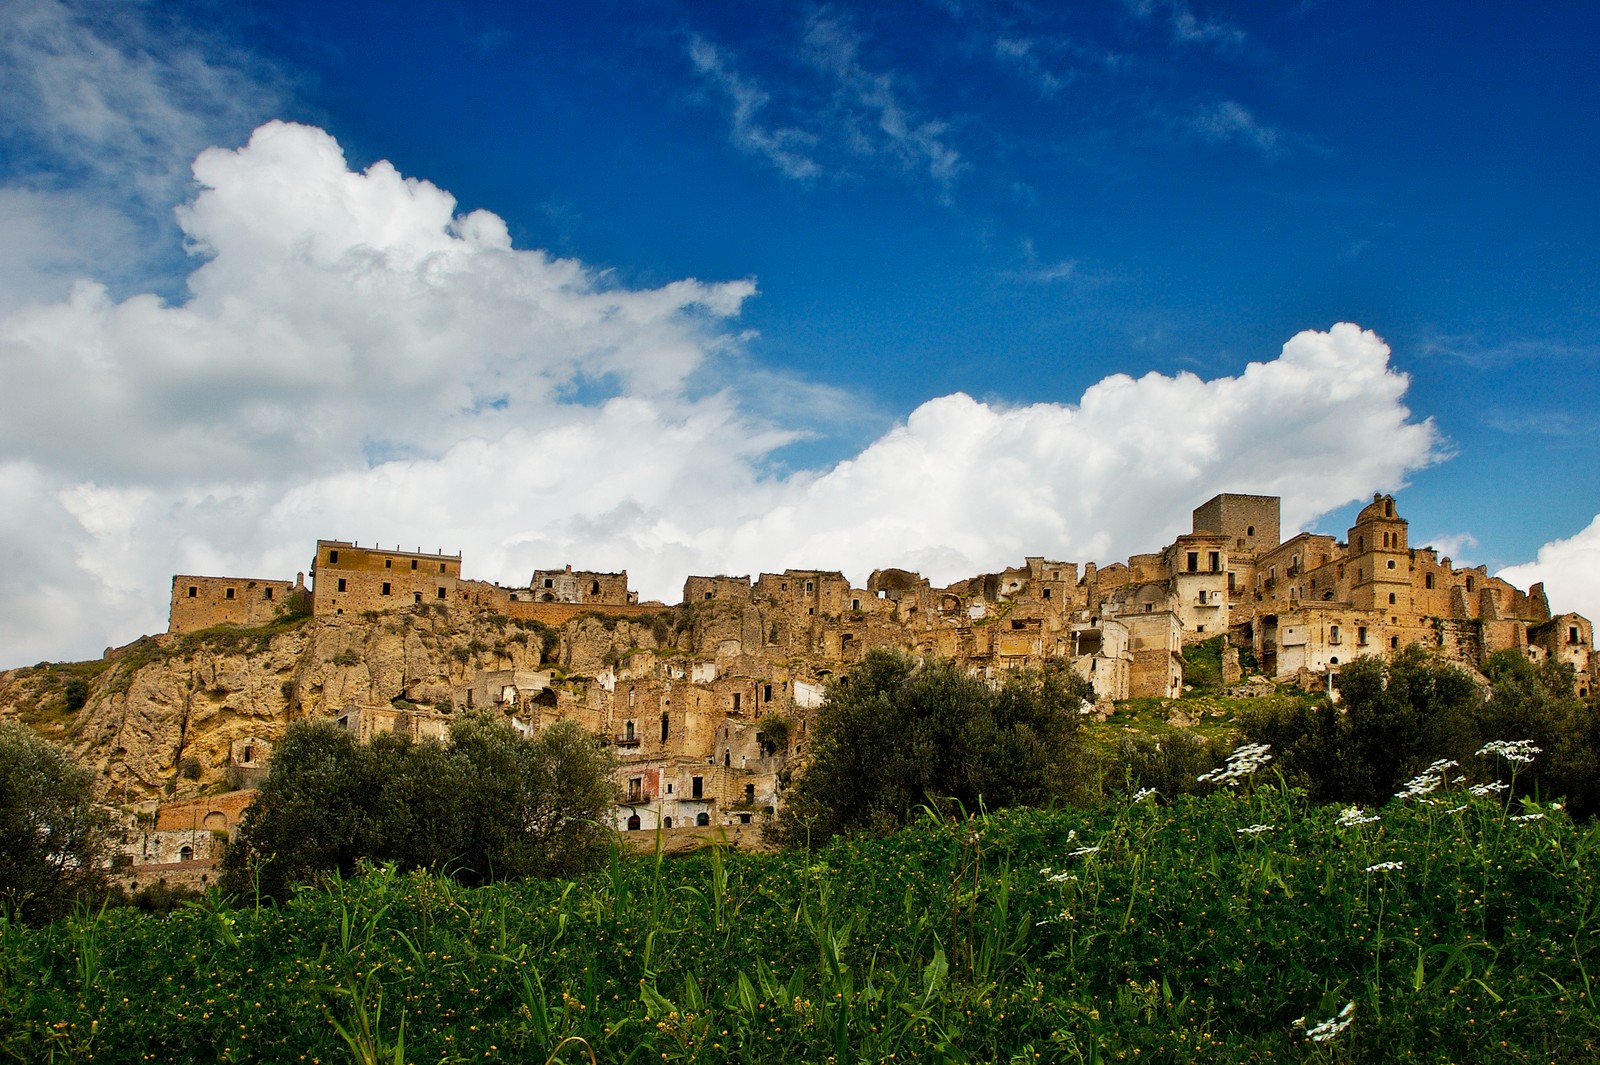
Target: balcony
x=626 y=741
x=634 y=798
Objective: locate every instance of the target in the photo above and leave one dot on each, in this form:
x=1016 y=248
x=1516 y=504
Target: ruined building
x=707 y=703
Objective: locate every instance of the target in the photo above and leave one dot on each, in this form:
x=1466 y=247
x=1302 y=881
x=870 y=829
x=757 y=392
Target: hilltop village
x=706 y=714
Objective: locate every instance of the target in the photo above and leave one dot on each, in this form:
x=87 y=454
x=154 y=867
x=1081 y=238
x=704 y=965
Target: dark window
x=548 y=583
x=1427 y=581
x=228 y=594
x=341 y=584
x=744 y=819
x=267 y=593
x=697 y=787
x=1216 y=561
x=594 y=588
x=664 y=726
x=708 y=595
x=766 y=693
x=385 y=588
x=1249 y=530
x=666 y=822
x=702 y=819
x=1394 y=642
x=1194 y=562
x=736 y=698
x=413 y=563
x=1391 y=599
x=193 y=591
x=333 y=556
x=416 y=597
x=633 y=823
x=1047 y=593
x=1572 y=634
x=388 y=563
x=441 y=593
x=1361 y=635
x=1469 y=584
x=441 y=567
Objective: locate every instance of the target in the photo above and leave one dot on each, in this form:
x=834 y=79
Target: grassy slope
x=1180 y=938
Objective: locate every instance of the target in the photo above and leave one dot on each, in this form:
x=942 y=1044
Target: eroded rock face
x=162 y=714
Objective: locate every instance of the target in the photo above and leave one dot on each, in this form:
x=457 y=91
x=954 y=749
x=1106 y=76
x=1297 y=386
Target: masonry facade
x=708 y=714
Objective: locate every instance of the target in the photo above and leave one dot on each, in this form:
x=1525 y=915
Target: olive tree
x=895 y=735
x=488 y=805
x=53 y=838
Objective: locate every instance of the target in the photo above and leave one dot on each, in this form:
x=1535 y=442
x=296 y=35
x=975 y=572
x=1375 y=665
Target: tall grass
x=1247 y=925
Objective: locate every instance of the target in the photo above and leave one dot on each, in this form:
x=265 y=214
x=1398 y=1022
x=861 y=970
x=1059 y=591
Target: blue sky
x=884 y=206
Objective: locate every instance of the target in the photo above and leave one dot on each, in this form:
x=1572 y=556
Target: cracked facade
x=708 y=703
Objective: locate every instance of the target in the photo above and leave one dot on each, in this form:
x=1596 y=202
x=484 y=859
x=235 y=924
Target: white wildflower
x=1142 y=794
x=1241 y=763
x=1354 y=815
x=1521 y=751
x=1062 y=878
x=1331 y=1027
x=1456 y=809
x=1528 y=817
x=1081 y=851
x=1256 y=830
x=1481 y=790
x=1429 y=780
x=1385 y=867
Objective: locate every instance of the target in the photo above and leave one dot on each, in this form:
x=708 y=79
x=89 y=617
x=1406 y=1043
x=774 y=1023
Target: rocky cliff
x=164 y=715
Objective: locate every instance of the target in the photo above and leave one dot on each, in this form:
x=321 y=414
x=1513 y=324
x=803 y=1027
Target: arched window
x=628 y=730
x=666 y=822
x=702 y=819
x=633 y=823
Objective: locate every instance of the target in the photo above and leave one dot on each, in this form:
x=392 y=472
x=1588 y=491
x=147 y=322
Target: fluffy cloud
x=357 y=360
x=1570 y=570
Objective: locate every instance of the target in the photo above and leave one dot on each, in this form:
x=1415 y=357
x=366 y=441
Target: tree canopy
x=1397 y=716
x=895 y=735
x=53 y=838
x=489 y=805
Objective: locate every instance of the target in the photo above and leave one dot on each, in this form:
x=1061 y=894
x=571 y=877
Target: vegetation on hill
x=490 y=805
x=53 y=838
x=895 y=735
x=1245 y=925
x=1398 y=715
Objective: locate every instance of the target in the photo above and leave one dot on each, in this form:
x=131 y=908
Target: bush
x=894 y=736
x=52 y=836
x=490 y=806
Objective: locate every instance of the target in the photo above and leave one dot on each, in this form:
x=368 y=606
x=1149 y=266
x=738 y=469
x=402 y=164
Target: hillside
x=166 y=715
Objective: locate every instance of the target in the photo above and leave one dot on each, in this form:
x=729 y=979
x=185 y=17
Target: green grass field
x=1222 y=928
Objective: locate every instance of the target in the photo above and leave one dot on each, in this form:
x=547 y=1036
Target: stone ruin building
x=707 y=723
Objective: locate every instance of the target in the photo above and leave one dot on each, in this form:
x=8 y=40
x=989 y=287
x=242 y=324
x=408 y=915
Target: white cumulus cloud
x=355 y=359
x=1570 y=570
